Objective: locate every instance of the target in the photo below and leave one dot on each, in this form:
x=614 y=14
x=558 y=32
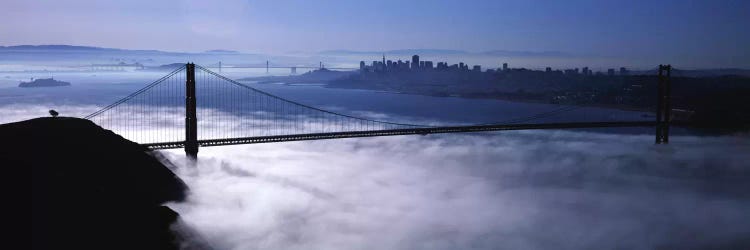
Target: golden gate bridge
x=194 y=107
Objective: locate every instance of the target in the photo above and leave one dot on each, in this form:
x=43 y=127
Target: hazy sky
x=689 y=30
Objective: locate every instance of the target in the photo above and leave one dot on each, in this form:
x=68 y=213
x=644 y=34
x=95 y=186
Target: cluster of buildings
x=416 y=65
x=588 y=72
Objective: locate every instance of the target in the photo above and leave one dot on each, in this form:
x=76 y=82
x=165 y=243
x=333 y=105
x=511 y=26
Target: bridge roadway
x=408 y=131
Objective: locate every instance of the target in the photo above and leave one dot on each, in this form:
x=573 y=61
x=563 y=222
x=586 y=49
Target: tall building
x=476 y=68
x=611 y=72
x=548 y=69
x=414 y=62
x=362 y=65
x=623 y=71
x=505 y=66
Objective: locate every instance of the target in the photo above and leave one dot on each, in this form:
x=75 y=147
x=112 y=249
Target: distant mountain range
x=74 y=48
x=222 y=51
x=69 y=54
x=508 y=53
x=71 y=48
x=92 y=54
x=699 y=72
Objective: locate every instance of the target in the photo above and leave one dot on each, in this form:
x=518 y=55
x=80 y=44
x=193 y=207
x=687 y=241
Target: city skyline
x=416 y=65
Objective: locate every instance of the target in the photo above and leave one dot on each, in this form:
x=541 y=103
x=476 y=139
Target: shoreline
x=503 y=98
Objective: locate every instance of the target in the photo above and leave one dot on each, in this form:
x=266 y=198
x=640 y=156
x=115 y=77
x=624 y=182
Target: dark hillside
x=78 y=186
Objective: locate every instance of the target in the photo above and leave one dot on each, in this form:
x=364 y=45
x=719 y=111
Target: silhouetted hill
x=222 y=51
x=699 y=72
x=54 y=47
x=165 y=67
x=72 y=48
x=83 y=49
x=315 y=76
x=88 y=188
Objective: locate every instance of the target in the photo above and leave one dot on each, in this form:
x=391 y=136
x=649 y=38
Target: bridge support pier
x=663 y=104
x=191 y=119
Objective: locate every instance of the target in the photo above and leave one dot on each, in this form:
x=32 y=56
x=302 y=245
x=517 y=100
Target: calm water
x=101 y=89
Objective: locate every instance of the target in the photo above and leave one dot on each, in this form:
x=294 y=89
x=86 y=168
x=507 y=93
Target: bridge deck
x=392 y=132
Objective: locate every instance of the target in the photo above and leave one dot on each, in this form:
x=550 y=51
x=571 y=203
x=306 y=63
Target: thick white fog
x=502 y=190
x=510 y=190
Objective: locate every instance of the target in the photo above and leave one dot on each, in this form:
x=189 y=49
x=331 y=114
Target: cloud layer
x=510 y=190
x=504 y=190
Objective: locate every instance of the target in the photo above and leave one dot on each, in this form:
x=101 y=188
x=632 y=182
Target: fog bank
x=508 y=190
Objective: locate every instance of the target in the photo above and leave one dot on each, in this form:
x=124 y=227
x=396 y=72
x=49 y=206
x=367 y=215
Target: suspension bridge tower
x=663 y=104
x=191 y=119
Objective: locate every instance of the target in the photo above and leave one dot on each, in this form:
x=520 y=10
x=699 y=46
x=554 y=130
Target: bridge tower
x=663 y=104
x=191 y=119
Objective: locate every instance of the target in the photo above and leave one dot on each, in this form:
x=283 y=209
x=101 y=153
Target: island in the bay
x=43 y=82
x=709 y=97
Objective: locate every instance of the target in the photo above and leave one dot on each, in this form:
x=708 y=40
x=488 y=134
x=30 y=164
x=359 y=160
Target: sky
x=684 y=30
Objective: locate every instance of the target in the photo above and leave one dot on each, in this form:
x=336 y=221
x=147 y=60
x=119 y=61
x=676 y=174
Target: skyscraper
x=505 y=66
x=414 y=62
x=428 y=65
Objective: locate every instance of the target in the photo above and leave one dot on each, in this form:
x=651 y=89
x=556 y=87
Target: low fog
x=508 y=190
x=502 y=190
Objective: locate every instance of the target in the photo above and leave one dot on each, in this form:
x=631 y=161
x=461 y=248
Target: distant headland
x=712 y=98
